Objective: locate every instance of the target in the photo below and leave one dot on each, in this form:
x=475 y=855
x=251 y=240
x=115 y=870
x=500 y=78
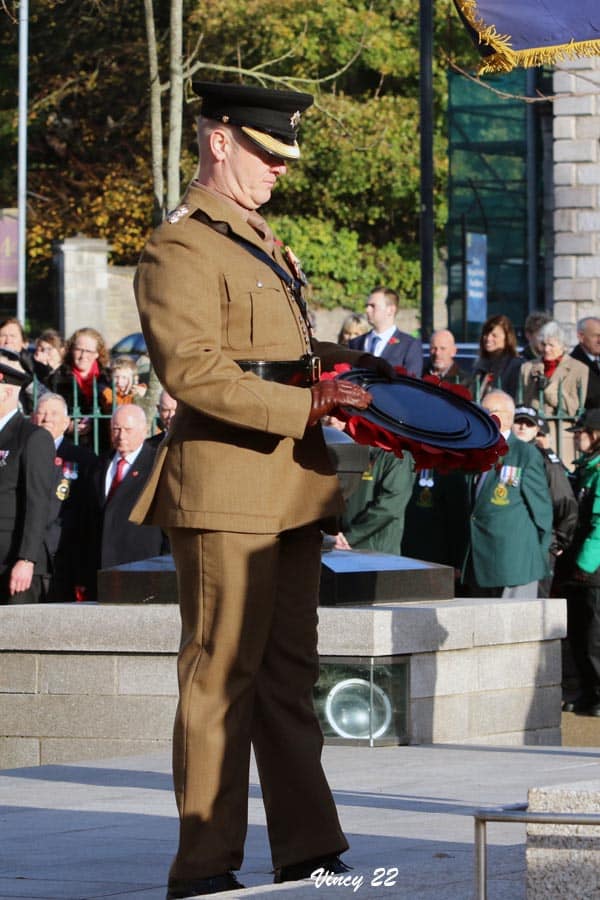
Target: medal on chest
x=69 y=472
x=425 y=498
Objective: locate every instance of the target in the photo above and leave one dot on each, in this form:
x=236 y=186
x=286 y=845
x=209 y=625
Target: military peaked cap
x=269 y=118
x=589 y=421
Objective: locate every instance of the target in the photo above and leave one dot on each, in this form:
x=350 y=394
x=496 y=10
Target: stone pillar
x=83 y=283
x=576 y=191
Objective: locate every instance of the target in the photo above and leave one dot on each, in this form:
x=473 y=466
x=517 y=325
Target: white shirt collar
x=6 y=419
x=384 y=336
x=130 y=458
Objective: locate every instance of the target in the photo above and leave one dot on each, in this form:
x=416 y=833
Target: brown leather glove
x=376 y=364
x=326 y=395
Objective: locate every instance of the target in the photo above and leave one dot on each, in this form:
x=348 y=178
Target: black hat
x=589 y=421
x=531 y=415
x=269 y=118
x=11 y=370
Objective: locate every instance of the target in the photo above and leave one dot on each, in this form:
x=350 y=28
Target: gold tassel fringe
x=504 y=58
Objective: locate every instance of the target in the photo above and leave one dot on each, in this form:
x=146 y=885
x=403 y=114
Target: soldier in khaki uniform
x=243 y=485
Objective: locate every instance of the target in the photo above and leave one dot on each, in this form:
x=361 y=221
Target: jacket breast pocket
x=258 y=312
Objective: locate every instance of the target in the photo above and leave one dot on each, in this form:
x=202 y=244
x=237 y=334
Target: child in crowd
x=127 y=387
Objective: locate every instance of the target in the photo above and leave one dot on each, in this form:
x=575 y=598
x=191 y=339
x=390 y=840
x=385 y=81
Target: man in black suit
x=385 y=339
x=65 y=532
x=26 y=481
x=116 y=486
x=587 y=351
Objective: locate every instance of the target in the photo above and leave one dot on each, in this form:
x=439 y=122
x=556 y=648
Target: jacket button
x=259 y=284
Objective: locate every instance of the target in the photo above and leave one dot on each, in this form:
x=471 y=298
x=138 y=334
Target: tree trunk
x=158 y=206
x=175 y=104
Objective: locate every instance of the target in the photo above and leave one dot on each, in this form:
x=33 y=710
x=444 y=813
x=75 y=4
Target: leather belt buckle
x=315 y=369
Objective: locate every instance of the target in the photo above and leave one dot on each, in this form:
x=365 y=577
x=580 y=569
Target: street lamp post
x=426 y=8
x=22 y=158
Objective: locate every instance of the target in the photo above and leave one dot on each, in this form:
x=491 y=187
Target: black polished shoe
x=593 y=709
x=214 y=884
x=578 y=704
x=331 y=864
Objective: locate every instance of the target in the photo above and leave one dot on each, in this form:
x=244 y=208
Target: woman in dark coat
x=498 y=364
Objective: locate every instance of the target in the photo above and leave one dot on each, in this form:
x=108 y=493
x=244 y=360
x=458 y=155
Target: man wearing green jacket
x=510 y=521
x=374 y=516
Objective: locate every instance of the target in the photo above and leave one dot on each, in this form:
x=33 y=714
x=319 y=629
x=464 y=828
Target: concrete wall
x=576 y=190
x=99 y=295
x=82 y=681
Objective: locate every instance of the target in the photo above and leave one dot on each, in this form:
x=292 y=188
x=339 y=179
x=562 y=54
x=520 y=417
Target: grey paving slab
x=108 y=828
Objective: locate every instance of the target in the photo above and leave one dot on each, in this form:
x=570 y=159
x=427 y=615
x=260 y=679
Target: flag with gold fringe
x=511 y=33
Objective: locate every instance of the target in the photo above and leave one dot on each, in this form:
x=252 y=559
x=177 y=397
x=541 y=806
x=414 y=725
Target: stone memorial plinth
x=347 y=577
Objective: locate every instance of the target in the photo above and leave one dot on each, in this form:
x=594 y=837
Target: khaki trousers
x=247 y=665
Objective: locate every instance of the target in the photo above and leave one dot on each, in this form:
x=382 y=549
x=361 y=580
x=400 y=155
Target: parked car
x=133 y=345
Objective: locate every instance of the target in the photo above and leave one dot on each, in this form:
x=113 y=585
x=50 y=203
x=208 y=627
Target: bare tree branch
x=507 y=95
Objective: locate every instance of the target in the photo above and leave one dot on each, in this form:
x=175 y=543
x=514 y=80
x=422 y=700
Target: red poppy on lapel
x=58 y=461
x=393 y=340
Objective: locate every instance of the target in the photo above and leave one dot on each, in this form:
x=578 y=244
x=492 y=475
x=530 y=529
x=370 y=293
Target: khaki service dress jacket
x=238 y=456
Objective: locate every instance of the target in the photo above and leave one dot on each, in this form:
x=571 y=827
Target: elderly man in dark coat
x=26 y=483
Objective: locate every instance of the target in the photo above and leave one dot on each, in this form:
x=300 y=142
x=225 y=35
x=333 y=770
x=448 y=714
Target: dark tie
x=375 y=342
x=117 y=478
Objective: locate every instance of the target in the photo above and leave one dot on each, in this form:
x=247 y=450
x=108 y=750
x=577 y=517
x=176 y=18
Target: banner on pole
x=511 y=33
x=9 y=260
x=476 y=286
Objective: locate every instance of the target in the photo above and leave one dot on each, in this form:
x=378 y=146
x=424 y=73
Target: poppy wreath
x=425 y=455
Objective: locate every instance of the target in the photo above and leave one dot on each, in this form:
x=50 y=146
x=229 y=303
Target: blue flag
x=511 y=33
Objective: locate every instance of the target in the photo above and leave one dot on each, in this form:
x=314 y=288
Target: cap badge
x=500 y=497
x=295 y=119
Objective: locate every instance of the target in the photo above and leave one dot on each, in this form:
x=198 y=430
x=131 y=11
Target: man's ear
x=219 y=142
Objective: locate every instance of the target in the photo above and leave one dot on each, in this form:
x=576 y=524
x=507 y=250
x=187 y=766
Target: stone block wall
x=576 y=191
x=87 y=681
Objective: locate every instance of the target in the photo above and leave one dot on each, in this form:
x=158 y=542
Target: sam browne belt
x=298 y=372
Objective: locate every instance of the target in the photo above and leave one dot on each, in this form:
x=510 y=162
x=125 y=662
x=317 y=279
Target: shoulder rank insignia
x=178 y=213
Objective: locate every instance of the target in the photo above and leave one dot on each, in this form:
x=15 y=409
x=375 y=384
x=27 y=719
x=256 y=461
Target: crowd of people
x=76 y=448
x=531 y=526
